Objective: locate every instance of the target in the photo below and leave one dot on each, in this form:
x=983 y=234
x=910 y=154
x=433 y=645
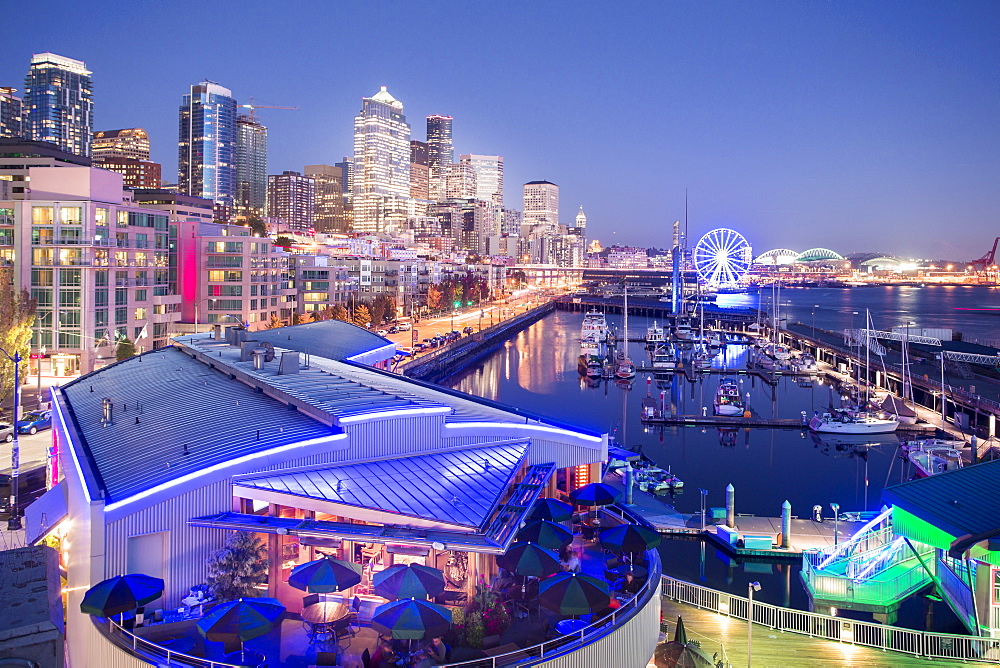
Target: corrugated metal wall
x=631 y=646
x=563 y=454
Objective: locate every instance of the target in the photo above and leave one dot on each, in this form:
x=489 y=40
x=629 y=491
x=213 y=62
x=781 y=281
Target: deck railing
x=151 y=652
x=878 y=636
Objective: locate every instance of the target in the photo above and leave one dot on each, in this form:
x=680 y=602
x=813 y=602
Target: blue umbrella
x=412 y=619
x=240 y=620
x=595 y=494
x=574 y=594
x=529 y=559
x=121 y=594
x=325 y=575
x=409 y=581
x=552 y=510
x=547 y=534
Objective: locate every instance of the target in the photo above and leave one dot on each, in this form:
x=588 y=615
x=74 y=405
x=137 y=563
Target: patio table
x=566 y=626
x=324 y=612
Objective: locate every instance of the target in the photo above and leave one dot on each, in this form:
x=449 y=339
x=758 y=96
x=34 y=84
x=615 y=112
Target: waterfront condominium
x=291 y=200
x=206 y=161
x=541 y=206
x=381 y=173
x=440 y=154
x=489 y=176
x=11 y=114
x=59 y=103
x=251 y=167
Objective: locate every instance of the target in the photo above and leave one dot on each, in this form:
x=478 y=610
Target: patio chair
x=327 y=659
x=311 y=599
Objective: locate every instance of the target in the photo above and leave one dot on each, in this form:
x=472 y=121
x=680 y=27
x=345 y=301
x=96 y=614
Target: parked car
x=404 y=327
x=393 y=330
x=34 y=422
x=30 y=486
x=6 y=432
x=468 y=330
x=382 y=332
x=420 y=347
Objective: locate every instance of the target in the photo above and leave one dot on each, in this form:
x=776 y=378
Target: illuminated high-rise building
x=460 y=181
x=440 y=153
x=419 y=170
x=59 y=103
x=328 y=216
x=11 y=114
x=541 y=205
x=291 y=200
x=206 y=161
x=381 y=171
x=489 y=176
x=124 y=143
x=251 y=167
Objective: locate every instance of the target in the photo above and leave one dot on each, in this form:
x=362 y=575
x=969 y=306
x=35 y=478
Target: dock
x=727 y=421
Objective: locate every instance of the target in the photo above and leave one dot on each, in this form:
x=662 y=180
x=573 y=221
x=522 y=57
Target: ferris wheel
x=722 y=256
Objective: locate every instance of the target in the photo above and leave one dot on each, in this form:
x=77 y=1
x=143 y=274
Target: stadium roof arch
x=776 y=256
x=818 y=254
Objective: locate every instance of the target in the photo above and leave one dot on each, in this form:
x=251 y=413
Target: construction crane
x=254 y=107
x=988 y=260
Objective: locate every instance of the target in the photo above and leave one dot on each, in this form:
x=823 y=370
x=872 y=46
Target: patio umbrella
x=551 y=509
x=547 y=534
x=412 y=619
x=595 y=494
x=679 y=653
x=325 y=575
x=240 y=620
x=574 y=594
x=409 y=581
x=121 y=594
x=629 y=538
x=530 y=559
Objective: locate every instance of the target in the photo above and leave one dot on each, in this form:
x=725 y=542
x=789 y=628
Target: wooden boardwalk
x=718 y=633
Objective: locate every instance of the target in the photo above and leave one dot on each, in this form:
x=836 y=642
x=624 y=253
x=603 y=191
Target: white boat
x=682 y=329
x=624 y=368
x=778 y=352
x=594 y=330
x=844 y=422
x=714 y=340
x=593 y=367
x=933 y=456
x=664 y=358
x=655 y=335
x=727 y=398
x=897 y=407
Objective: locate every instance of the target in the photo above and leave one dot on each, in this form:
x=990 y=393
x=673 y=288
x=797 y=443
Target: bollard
x=786 y=524
x=730 y=506
x=629 y=483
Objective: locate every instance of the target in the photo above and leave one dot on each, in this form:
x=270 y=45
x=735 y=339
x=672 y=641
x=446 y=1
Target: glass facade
x=251 y=167
x=381 y=172
x=58 y=103
x=440 y=153
x=207 y=144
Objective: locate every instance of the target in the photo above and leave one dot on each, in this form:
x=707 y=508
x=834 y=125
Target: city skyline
x=850 y=127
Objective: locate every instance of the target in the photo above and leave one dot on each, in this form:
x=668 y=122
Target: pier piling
x=786 y=524
x=730 y=506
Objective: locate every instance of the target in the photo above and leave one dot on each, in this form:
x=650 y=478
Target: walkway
x=781 y=650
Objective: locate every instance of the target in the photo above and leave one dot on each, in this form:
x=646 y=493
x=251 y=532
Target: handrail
x=878 y=636
x=550 y=649
x=142 y=648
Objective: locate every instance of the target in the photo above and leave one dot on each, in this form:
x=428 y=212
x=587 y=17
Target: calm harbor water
x=537 y=370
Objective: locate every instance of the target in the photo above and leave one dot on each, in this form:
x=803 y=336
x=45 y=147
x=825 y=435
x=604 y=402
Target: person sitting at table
x=628 y=584
x=571 y=561
x=384 y=656
x=437 y=650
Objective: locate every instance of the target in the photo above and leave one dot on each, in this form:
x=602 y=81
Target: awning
x=45 y=513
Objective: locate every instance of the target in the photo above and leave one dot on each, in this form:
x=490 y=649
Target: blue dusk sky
x=849 y=125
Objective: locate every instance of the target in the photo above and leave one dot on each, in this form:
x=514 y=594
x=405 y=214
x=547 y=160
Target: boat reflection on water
x=851 y=445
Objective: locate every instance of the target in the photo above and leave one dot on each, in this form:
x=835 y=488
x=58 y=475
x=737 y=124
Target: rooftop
x=348 y=342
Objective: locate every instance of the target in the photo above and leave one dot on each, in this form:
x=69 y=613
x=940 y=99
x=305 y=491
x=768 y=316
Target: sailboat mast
x=868 y=348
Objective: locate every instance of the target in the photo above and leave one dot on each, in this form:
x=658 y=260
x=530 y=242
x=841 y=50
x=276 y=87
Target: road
x=34 y=450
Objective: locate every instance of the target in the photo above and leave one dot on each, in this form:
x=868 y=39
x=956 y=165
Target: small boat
x=727 y=398
x=897 y=407
x=594 y=367
x=650 y=408
x=664 y=359
x=682 y=329
x=933 y=456
x=655 y=335
x=847 y=422
x=594 y=329
x=778 y=351
x=624 y=368
x=715 y=340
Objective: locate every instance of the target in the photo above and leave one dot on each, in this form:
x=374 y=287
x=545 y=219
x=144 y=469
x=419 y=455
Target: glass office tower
x=59 y=103
x=381 y=174
x=440 y=154
x=251 y=167
x=206 y=162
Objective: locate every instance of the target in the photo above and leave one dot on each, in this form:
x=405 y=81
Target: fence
x=146 y=650
x=878 y=636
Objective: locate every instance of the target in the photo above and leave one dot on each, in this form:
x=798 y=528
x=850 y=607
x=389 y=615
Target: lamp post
x=835 y=507
x=815 y=306
x=751 y=588
x=14 y=520
x=942 y=388
x=704 y=493
x=38 y=369
x=196 y=305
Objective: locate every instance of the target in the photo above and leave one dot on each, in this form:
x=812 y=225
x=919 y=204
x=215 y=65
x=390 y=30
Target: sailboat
x=624 y=368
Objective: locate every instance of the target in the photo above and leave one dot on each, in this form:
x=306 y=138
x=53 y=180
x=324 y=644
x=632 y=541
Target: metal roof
x=459 y=487
x=964 y=501
x=332 y=339
x=166 y=403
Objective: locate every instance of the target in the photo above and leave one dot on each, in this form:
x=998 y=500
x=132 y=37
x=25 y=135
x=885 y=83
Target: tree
x=257 y=226
x=275 y=322
x=299 y=318
x=284 y=241
x=377 y=310
x=340 y=313
x=362 y=316
x=434 y=297
x=124 y=349
x=317 y=315
x=237 y=568
x=17 y=315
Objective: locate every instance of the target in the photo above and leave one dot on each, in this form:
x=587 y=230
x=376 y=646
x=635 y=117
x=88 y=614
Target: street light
x=751 y=588
x=704 y=493
x=14 y=520
x=196 y=305
x=815 y=306
x=835 y=507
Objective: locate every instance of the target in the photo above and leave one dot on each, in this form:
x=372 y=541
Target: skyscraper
x=419 y=170
x=440 y=153
x=206 y=163
x=251 y=167
x=328 y=215
x=291 y=198
x=541 y=205
x=489 y=176
x=124 y=143
x=59 y=105
x=381 y=164
x=460 y=181
x=11 y=114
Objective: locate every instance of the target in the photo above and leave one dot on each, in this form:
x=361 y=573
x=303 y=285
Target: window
x=225 y=247
x=42 y=215
x=70 y=277
x=225 y=276
x=996 y=586
x=123 y=219
x=41 y=256
x=225 y=261
x=69 y=298
x=101 y=277
x=101 y=318
x=71 y=215
x=140 y=296
x=41 y=277
x=316 y=296
x=121 y=296
x=225 y=291
x=100 y=298
x=69 y=339
x=41 y=235
x=140 y=313
x=225 y=304
x=121 y=316
x=69 y=318
x=101 y=217
x=43 y=296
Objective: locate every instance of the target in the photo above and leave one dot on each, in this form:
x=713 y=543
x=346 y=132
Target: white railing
x=146 y=650
x=878 y=636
